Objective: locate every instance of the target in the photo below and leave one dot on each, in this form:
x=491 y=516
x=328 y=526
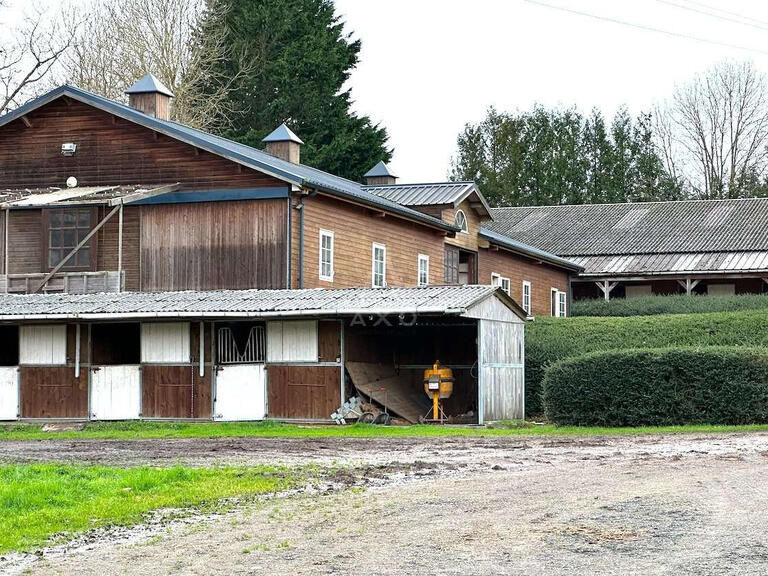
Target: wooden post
x=120 y=250
x=606 y=286
x=689 y=285
x=5 y=242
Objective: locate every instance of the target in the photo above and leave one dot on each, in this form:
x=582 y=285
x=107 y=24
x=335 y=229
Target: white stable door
x=241 y=392
x=115 y=393
x=9 y=393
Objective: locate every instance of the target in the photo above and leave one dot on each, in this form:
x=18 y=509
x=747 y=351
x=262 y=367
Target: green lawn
x=135 y=430
x=40 y=501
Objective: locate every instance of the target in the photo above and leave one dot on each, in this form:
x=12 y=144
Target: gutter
x=530 y=251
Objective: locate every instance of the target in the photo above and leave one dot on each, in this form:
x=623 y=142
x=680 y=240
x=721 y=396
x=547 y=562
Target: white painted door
x=241 y=392
x=9 y=393
x=115 y=393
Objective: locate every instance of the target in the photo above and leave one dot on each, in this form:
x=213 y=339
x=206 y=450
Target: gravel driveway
x=677 y=504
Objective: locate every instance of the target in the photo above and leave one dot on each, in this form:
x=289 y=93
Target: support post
x=120 y=249
x=606 y=286
x=202 y=349
x=689 y=285
x=77 y=350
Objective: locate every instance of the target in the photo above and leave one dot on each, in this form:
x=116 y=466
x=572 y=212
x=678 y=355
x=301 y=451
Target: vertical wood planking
x=503 y=374
x=43 y=344
x=303 y=392
x=165 y=342
x=53 y=392
x=292 y=341
x=9 y=393
x=115 y=392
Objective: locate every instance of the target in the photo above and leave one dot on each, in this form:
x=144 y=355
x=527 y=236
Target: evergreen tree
x=292 y=59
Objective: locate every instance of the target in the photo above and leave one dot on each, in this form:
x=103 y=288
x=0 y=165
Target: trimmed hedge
x=713 y=385
x=677 y=304
x=548 y=340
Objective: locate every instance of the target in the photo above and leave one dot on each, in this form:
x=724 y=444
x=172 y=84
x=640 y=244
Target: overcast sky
x=429 y=66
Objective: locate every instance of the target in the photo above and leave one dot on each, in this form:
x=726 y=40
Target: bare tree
x=30 y=53
x=714 y=131
x=125 y=39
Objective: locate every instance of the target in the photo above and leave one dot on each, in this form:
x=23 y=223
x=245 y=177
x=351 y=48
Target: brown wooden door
x=175 y=392
x=53 y=392
x=303 y=392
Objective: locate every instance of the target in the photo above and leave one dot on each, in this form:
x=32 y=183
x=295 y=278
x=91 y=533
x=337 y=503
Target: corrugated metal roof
x=298 y=174
x=689 y=226
x=671 y=263
x=424 y=194
x=29 y=197
x=248 y=303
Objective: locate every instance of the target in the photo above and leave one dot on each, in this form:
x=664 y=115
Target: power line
x=728 y=12
x=647 y=28
x=712 y=15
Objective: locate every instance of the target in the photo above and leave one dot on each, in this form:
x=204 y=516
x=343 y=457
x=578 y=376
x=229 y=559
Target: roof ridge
x=684 y=201
x=404 y=185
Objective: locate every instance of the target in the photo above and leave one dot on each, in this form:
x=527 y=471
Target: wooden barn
x=255 y=354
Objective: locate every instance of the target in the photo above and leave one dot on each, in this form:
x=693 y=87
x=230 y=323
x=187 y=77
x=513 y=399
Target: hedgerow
x=675 y=304
x=657 y=387
x=548 y=340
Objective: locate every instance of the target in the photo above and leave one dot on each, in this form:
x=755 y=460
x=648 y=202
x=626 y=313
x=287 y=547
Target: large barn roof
x=440 y=300
x=692 y=226
x=297 y=174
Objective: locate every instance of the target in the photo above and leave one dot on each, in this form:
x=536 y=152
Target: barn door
x=240 y=392
x=115 y=392
x=9 y=393
x=304 y=392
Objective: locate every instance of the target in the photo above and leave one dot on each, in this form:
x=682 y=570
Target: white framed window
x=527 y=297
x=326 y=255
x=495 y=279
x=379 y=266
x=553 y=302
x=561 y=304
x=504 y=283
x=423 y=270
x=461 y=220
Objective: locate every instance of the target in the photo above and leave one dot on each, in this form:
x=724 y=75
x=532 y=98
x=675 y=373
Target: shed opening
x=115 y=344
x=9 y=345
x=241 y=343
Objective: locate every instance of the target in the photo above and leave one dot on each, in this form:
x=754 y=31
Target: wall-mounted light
x=68 y=149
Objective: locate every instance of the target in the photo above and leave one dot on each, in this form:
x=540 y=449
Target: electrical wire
x=647 y=28
x=728 y=12
x=711 y=15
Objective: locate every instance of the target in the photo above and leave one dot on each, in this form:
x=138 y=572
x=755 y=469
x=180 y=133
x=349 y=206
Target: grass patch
x=148 y=430
x=40 y=501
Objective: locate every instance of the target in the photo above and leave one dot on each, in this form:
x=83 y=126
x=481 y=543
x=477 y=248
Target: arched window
x=461 y=220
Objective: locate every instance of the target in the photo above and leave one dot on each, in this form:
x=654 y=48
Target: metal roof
x=524 y=249
x=379 y=170
x=297 y=174
x=442 y=300
x=687 y=226
x=283 y=134
x=149 y=84
x=433 y=194
x=623 y=265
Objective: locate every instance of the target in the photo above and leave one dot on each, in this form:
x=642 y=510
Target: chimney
x=151 y=96
x=380 y=175
x=284 y=144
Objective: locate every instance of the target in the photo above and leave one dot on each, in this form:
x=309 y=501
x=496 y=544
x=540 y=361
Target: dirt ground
x=677 y=504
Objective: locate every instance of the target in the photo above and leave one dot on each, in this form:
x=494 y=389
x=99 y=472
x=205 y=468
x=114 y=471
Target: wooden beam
x=135 y=197
x=689 y=285
x=82 y=243
x=606 y=286
x=120 y=249
x=26 y=121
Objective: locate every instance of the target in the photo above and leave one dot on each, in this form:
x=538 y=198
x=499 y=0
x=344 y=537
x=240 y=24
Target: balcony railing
x=63 y=283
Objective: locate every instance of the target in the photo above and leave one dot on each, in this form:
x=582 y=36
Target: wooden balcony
x=63 y=283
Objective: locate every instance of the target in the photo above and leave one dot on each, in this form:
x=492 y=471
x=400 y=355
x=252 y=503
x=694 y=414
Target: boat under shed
x=295 y=355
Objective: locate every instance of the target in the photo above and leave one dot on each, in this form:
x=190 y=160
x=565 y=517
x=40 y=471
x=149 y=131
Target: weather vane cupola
x=380 y=175
x=283 y=143
x=151 y=97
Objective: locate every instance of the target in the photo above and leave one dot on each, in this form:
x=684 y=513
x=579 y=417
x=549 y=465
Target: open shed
x=254 y=354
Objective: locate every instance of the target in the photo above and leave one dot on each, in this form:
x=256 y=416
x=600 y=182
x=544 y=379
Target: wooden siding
x=502 y=375
x=165 y=342
x=43 y=345
x=108 y=239
x=213 y=246
x=542 y=277
x=355 y=230
x=466 y=240
x=109 y=151
x=9 y=393
x=25 y=246
x=303 y=392
x=174 y=392
x=328 y=340
x=53 y=392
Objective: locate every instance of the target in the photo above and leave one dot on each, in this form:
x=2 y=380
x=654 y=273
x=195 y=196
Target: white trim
x=528 y=292
x=553 y=303
x=562 y=304
x=376 y=246
x=422 y=258
x=464 y=228
x=495 y=279
x=326 y=234
x=505 y=285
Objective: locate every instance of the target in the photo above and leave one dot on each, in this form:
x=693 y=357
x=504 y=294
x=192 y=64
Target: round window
x=461 y=220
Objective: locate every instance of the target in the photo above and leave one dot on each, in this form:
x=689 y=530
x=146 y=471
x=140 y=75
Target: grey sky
x=429 y=66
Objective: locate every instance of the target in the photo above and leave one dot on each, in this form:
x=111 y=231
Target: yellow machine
x=438 y=384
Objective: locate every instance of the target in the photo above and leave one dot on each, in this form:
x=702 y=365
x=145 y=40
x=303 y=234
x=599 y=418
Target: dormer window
x=461 y=220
